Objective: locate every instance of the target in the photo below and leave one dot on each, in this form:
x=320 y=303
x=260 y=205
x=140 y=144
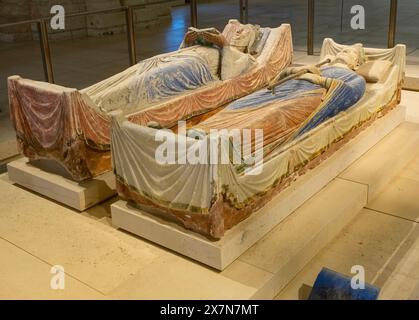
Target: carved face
x=348 y=56
x=242 y=37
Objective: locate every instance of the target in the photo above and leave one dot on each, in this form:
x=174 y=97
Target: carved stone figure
x=73 y=126
x=304 y=120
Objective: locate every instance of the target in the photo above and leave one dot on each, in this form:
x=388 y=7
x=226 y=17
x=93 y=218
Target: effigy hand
x=213 y=38
x=190 y=37
x=307 y=69
x=296 y=71
x=311 y=73
x=313 y=78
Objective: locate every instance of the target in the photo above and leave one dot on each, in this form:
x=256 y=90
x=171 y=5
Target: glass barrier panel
x=333 y=19
x=89 y=49
x=407 y=29
x=216 y=13
x=20 y=55
x=163 y=33
x=272 y=13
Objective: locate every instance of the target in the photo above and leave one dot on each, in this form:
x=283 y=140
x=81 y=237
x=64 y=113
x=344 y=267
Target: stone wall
x=93 y=25
x=14 y=10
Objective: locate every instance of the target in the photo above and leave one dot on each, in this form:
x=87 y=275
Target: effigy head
x=350 y=57
x=244 y=37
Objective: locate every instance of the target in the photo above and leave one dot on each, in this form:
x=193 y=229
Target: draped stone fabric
x=274 y=58
x=55 y=122
x=303 y=127
x=168 y=76
x=73 y=127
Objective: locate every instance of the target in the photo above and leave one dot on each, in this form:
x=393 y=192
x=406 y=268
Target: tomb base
x=49 y=179
x=219 y=254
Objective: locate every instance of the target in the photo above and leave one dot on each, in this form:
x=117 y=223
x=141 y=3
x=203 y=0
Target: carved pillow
x=259 y=44
x=374 y=71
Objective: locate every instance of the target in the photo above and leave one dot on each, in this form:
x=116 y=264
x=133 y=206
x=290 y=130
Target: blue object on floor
x=331 y=285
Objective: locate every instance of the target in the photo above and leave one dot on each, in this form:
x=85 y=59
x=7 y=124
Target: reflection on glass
x=333 y=20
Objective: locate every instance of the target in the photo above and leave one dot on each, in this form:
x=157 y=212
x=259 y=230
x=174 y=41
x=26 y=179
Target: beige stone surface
x=88 y=68
x=290 y=246
x=410 y=99
x=8 y=149
x=23 y=276
x=270 y=255
x=381 y=163
x=111 y=262
x=119 y=265
x=384 y=238
x=176 y=277
x=49 y=179
x=102 y=262
x=99 y=256
x=375 y=241
x=301 y=58
x=400 y=196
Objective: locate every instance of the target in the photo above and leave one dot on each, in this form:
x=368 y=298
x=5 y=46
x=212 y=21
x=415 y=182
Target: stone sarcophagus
x=175 y=174
x=73 y=126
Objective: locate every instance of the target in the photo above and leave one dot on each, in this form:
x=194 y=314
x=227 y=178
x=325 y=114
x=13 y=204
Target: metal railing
x=45 y=50
x=194 y=13
x=244 y=17
x=310 y=27
x=391 y=36
x=244 y=11
x=42 y=28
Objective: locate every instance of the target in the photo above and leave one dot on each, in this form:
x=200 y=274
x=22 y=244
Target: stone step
x=282 y=253
x=122 y=266
x=276 y=259
x=381 y=163
x=48 y=178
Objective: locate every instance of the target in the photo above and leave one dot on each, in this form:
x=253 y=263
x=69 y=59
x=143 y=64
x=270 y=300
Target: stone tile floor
x=383 y=238
x=102 y=262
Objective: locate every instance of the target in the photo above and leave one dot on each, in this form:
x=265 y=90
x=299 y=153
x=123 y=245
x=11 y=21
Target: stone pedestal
x=49 y=179
x=219 y=254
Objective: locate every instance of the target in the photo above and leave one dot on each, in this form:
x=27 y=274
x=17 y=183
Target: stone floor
x=102 y=262
x=383 y=238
